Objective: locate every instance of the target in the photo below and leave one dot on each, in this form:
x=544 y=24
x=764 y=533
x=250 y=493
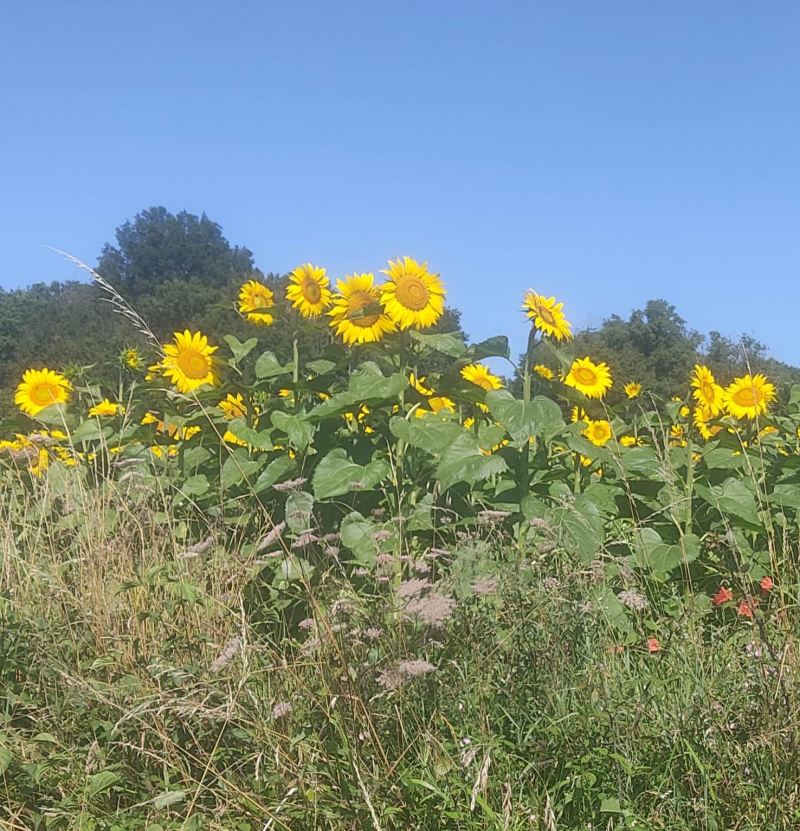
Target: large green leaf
x=299 y=505
x=448 y=343
x=653 y=554
x=238 y=349
x=268 y=366
x=358 y=534
x=297 y=427
x=261 y=440
x=427 y=434
x=524 y=421
x=276 y=471
x=580 y=525
x=337 y=475
x=366 y=386
x=238 y=466
x=91 y=430
x=734 y=501
x=495 y=347
x=463 y=461
x=641 y=462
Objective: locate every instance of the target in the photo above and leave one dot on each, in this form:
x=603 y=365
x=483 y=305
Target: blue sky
x=604 y=152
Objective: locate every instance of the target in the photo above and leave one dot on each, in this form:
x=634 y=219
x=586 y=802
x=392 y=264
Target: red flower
x=722 y=596
x=653 y=645
x=767 y=584
x=744 y=609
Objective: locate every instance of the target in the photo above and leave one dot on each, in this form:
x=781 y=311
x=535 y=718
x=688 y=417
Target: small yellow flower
x=308 y=290
x=749 y=396
x=546 y=315
x=419 y=385
x=412 y=297
x=593 y=380
x=106 y=408
x=481 y=376
x=255 y=302
x=544 y=371
x=598 y=432
x=39 y=389
x=233 y=406
x=633 y=390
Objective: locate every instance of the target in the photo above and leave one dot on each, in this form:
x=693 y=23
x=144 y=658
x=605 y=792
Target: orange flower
x=744 y=609
x=653 y=645
x=722 y=596
x=767 y=584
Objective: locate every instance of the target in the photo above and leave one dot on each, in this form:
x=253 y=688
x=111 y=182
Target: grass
x=149 y=681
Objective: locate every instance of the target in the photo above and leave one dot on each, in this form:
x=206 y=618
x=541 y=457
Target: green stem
x=296 y=359
x=687 y=528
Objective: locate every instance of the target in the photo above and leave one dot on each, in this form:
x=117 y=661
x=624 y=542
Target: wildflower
x=480 y=375
x=105 y=408
x=412 y=296
x=226 y=656
x=281 y=710
x=633 y=600
x=413 y=588
x=188 y=362
x=546 y=315
x=485 y=585
x=255 y=301
x=487 y=517
x=593 y=380
x=308 y=290
x=633 y=390
x=291 y=485
x=653 y=645
x=357 y=315
x=434 y=609
x=744 y=609
x=39 y=389
x=748 y=397
x=767 y=585
x=722 y=596
x=271 y=537
x=393 y=679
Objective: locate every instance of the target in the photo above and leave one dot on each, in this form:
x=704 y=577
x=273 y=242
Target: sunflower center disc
x=312 y=292
x=43 y=394
x=745 y=397
x=546 y=315
x=358 y=301
x=193 y=364
x=708 y=392
x=586 y=376
x=259 y=301
x=412 y=293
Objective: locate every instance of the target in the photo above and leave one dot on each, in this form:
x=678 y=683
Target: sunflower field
x=340 y=593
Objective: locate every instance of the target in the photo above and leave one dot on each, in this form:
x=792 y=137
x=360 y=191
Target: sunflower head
x=578 y=414
x=748 y=397
x=39 y=389
x=546 y=315
x=544 y=371
x=131 y=358
x=233 y=406
x=633 y=390
x=593 y=380
x=480 y=375
x=707 y=392
x=188 y=361
x=308 y=290
x=598 y=432
x=255 y=302
x=106 y=408
x=356 y=314
x=412 y=296
x=419 y=385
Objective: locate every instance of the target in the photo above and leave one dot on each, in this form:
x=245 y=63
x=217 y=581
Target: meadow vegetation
x=367 y=585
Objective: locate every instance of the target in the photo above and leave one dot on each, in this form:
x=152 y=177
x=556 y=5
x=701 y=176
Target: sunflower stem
x=687 y=527
x=296 y=360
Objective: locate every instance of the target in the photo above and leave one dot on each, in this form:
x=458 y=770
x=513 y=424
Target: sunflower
x=233 y=406
x=701 y=417
x=255 y=300
x=748 y=397
x=412 y=297
x=439 y=403
x=356 y=314
x=39 y=389
x=188 y=362
x=544 y=371
x=479 y=374
x=131 y=358
x=593 y=380
x=546 y=315
x=630 y=441
x=308 y=290
x=105 y=408
x=578 y=414
x=676 y=436
x=633 y=390
x=419 y=385
x=598 y=432
x=707 y=392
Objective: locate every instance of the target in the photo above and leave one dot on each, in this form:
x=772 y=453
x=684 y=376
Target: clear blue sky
x=605 y=152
